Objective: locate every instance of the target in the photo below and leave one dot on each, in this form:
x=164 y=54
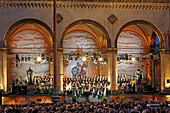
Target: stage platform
x=44 y=98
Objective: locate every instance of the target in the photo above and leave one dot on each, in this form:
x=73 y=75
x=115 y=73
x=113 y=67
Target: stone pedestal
x=55 y=96
x=139 y=87
x=30 y=89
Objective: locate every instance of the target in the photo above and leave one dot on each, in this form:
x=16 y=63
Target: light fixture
x=133 y=59
x=29 y=59
x=38 y=58
x=84 y=58
x=17 y=58
x=100 y=59
x=51 y=59
x=22 y=59
x=47 y=58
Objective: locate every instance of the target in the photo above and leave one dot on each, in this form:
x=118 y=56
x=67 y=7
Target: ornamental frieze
x=92 y=5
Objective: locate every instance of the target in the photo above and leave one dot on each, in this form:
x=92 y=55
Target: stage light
x=39 y=59
x=100 y=59
x=25 y=59
x=84 y=58
x=51 y=59
x=70 y=57
x=29 y=58
x=47 y=58
x=133 y=59
x=17 y=57
x=22 y=59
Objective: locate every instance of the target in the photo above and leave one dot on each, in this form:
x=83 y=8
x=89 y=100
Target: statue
x=30 y=76
x=139 y=76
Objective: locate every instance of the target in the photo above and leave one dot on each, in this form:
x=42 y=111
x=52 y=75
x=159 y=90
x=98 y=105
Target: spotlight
x=95 y=62
x=84 y=59
x=105 y=58
x=42 y=55
x=133 y=59
x=29 y=58
x=78 y=55
x=17 y=57
x=92 y=58
x=22 y=59
x=17 y=64
x=39 y=59
x=126 y=56
x=25 y=59
x=70 y=57
x=100 y=59
x=51 y=59
x=47 y=58
x=67 y=58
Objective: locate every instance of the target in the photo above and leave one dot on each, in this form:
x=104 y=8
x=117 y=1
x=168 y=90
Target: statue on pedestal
x=30 y=76
x=139 y=76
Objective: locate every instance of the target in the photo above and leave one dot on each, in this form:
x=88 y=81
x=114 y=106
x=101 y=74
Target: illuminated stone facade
x=103 y=21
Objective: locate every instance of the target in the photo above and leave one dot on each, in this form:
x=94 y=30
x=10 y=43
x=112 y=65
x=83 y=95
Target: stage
x=44 y=98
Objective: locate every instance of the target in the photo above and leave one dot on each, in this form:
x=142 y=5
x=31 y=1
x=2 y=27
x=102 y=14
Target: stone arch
x=152 y=26
x=84 y=21
x=20 y=23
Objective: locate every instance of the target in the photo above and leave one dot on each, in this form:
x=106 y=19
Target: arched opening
x=84 y=44
x=138 y=44
x=30 y=45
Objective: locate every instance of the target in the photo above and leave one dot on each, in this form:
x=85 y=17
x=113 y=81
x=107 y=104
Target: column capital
x=55 y=43
x=3 y=50
x=111 y=49
x=60 y=50
x=162 y=51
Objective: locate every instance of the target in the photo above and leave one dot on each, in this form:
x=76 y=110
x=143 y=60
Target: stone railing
x=138 y=1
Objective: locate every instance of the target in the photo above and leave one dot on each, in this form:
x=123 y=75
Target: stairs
x=94 y=99
x=89 y=98
x=81 y=99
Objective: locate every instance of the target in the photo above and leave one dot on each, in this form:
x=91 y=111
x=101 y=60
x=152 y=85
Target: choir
x=96 y=86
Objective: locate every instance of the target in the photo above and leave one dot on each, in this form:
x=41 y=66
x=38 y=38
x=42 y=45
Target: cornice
x=87 y=5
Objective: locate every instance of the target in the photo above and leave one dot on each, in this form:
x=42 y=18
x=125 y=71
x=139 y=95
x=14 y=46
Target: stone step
x=81 y=99
x=94 y=99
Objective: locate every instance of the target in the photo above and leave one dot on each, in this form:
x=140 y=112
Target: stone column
x=163 y=63
x=3 y=70
x=167 y=71
x=153 y=73
x=57 y=68
x=98 y=68
x=112 y=68
x=61 y=68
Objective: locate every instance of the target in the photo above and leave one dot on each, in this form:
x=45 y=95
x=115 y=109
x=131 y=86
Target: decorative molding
x=110 y=50
x=92 y=5
x=59 y=18
x=112 y=19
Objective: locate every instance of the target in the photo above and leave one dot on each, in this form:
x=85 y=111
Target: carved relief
x=59 y=18
x=112 y=19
